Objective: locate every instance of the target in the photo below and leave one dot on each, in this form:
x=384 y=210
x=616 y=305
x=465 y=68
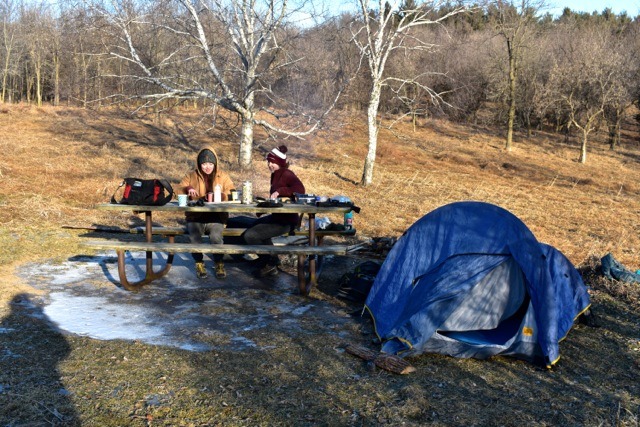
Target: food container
x=305 y=199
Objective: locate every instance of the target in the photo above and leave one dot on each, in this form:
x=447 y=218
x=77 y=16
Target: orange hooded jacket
x=206 y=183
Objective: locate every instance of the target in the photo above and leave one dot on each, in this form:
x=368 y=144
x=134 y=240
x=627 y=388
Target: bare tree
x=9 y=30
x=40 y=38
x=516 y=24
x=583 y=81
x=625 y=63
x=222 y=51
x=81 y=60
x=381 y=29
x=42 y=34
x=469 y=64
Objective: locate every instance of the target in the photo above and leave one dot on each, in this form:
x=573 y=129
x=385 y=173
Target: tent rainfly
x=469 y=279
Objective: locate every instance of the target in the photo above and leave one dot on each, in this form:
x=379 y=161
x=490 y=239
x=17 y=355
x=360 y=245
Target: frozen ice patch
x=82 y=297
x=95 y=317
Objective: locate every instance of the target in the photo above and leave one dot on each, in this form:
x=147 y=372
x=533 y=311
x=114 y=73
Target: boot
x=201 y=272
x=267 y=270
x=220 y=271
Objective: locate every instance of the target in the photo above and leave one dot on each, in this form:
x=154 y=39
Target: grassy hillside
x=57 y=162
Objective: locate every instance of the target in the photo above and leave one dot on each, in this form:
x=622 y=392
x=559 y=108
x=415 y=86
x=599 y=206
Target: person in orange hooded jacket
x=196 y=184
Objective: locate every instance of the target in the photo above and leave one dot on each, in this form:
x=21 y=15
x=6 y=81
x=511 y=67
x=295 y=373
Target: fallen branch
x=388 y=362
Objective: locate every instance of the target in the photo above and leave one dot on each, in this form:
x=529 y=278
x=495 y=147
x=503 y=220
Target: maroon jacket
x=285 y=182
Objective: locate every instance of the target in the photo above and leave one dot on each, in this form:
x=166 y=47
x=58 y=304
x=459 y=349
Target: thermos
x=247 y=193
x=348 y=220
x=217 y=194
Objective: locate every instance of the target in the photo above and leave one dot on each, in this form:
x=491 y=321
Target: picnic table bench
x=311 y=249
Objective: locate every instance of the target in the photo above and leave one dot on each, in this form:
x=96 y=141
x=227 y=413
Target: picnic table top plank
x=228 y=207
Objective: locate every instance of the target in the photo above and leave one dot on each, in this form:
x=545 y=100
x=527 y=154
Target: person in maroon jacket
x=283 y=184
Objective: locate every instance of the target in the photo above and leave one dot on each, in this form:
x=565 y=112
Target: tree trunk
x=5 y=74
x=28 y=83
x=512 y=98
x=583 y=147
x=615 y=132
x=56 y=79
x=246 y=141
x=8 y=44
x=612 y=137
x=389 y=362
x=99 y=83
x=37 y=64
x=372 y=122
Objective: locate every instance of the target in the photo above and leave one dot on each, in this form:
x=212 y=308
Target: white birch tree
x=378 y=32
x=222 y=51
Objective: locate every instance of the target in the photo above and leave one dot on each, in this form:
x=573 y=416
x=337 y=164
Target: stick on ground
x=388 y=362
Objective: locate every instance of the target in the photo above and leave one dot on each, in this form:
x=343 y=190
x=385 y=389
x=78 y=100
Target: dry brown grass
x=58 y=162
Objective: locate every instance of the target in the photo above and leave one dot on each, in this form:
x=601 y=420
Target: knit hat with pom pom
x=278 y=156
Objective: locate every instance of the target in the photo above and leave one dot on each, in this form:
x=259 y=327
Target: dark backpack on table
x=145 y=192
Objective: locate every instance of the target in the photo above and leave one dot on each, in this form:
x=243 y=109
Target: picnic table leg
x=302 y=280
x=305 y=287
x=150 y=275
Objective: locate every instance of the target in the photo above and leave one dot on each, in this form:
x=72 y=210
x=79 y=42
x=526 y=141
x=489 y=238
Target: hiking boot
x=267 y=270
x=220 y=271
x=201 y=272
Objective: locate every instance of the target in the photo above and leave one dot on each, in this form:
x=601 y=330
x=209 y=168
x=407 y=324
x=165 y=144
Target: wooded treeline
x=507 y=63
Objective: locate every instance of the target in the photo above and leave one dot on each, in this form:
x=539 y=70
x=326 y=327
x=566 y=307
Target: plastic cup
x=182 y=200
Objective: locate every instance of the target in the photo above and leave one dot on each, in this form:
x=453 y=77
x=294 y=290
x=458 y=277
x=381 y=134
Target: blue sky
x=631 y=6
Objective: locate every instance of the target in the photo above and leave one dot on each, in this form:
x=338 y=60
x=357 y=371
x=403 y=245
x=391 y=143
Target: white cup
x=182 y=200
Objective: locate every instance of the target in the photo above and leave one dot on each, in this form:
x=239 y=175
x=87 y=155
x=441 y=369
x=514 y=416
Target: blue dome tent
x=469 y=279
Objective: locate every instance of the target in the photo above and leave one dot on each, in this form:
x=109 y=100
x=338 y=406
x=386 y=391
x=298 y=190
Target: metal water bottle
x=217 y=194
x=348 y=220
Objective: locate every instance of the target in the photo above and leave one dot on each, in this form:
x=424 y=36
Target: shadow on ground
x=32 y=393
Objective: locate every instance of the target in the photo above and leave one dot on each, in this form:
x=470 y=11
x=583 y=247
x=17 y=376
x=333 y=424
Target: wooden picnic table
x=311 y=249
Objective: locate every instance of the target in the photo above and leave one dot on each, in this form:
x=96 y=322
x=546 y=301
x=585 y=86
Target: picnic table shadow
x=104 y=261
x=31 y=389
